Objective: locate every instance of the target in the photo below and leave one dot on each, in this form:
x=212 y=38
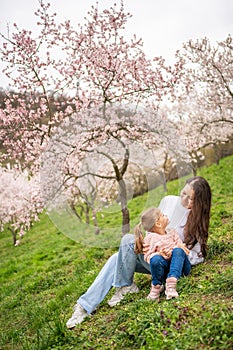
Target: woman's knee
x=112 y=260
x=127 y=239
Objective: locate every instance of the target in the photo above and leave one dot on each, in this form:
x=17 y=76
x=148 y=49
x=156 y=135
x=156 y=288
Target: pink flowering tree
x=204 y=101
x=96 y=70
x=20 y=201
x=90 y=65
x=28 y=115
x=102 y=153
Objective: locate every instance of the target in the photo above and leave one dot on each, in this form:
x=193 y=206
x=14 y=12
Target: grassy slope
x=41 y=279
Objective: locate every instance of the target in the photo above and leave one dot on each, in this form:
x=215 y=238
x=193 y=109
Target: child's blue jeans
x=177 y=266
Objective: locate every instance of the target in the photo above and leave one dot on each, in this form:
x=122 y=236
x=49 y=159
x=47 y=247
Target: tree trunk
x=73 y=208
x=125 y=221
x=95 y=221
x=194 y=168
x=87 y=209
x=14 y=235
x=216 y=154
x=125 y=212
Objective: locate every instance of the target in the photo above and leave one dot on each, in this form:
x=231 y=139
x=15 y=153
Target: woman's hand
x=183 y=246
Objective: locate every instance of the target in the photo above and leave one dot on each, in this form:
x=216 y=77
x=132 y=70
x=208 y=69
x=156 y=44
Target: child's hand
x=166 y=253
x=185 y=249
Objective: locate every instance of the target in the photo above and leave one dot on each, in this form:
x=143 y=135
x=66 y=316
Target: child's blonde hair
x=148 y=219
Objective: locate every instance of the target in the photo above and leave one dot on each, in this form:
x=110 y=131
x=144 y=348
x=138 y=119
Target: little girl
x=167 y=254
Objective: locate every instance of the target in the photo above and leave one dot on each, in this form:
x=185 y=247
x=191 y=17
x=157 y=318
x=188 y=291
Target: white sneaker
x=78 y=316
x=120 y=293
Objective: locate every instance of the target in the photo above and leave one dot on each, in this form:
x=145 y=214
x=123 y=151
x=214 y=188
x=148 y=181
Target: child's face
x=163 y=220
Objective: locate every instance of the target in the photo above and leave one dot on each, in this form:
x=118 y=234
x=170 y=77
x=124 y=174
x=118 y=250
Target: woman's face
x=187 y=196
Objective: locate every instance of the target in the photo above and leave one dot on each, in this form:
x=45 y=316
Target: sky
x=163 y=25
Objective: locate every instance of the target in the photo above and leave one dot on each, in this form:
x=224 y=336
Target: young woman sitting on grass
x=189 y=215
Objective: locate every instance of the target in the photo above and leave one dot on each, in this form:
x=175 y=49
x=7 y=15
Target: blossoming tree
x=205 y=93
x=20 y=201
x=96 y=69
x=91 y=65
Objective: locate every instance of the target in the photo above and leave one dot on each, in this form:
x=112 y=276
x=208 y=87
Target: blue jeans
x=176 y=267
x=118 y=271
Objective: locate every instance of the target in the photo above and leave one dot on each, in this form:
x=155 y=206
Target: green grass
x=41 y=279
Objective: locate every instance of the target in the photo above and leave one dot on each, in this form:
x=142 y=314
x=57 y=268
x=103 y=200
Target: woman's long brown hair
x=197 y=226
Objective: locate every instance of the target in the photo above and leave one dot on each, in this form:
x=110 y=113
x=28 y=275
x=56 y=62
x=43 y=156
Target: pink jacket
x=157 y=242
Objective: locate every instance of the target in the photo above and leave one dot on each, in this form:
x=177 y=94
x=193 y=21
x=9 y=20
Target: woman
x=189 y=215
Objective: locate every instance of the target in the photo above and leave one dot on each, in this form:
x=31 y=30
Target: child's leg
x=180 y=264
x=159 y=267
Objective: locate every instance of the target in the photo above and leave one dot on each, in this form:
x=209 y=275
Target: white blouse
x=177 y=214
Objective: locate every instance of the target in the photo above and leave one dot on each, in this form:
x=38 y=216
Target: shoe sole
x=171 y=297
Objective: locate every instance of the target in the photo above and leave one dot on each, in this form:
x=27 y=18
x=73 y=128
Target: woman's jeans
x=117 y=272
x=176 y=267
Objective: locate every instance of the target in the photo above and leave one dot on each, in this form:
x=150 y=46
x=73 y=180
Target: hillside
x=41 y=279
